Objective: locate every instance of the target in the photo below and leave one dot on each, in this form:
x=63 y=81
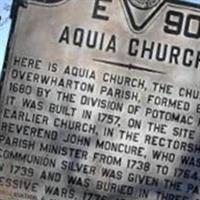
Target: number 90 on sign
x=177 y=23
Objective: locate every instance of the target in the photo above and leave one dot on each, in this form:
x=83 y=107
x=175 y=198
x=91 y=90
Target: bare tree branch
x=4 y=19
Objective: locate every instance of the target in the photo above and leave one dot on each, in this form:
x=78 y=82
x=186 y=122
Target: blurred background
x=5 y=22
x=5 y=6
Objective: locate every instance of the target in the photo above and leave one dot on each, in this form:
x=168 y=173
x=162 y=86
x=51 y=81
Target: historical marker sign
x=100 y=101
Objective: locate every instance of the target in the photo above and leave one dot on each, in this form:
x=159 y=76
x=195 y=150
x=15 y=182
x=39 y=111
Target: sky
x=5 y=25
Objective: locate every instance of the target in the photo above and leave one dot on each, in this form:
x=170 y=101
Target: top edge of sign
x=60 y=2
x=47 y=3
